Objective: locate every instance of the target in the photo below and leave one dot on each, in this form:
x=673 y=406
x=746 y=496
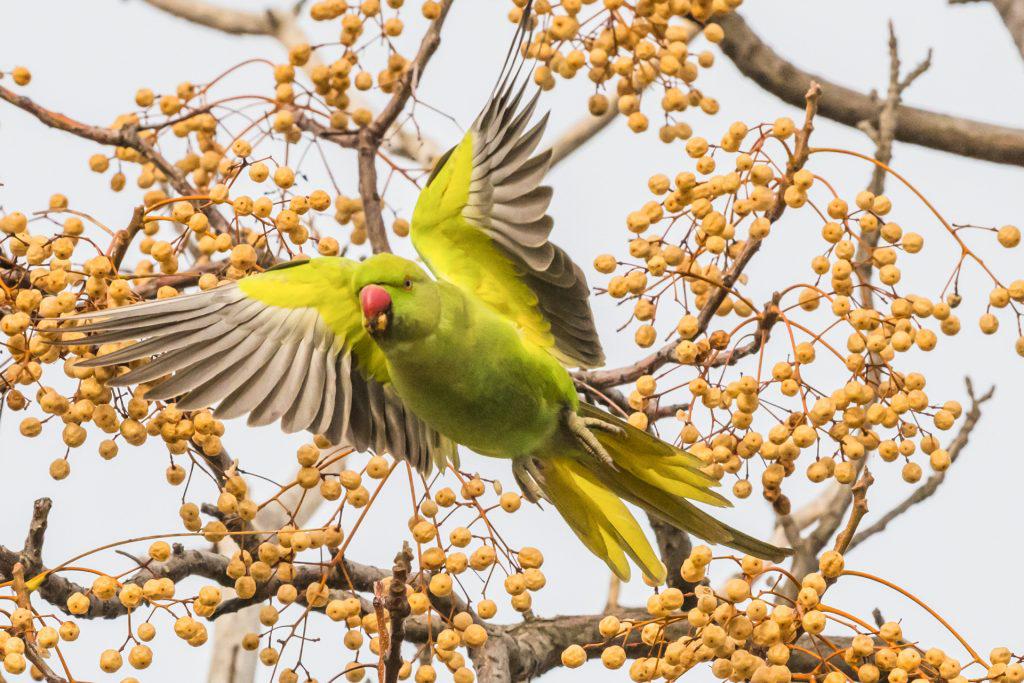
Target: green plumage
x=382 y=356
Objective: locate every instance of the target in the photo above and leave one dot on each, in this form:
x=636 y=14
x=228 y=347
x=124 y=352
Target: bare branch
x=189 y=278
x=1012 y=14
x=372 y=210
x=53 y=119
x=582 y=132
x=397 y=604
x=860 y=508
x=32 y=552
x=956 y=135
x=237 y=22
x=32 y=654
x=123 y=238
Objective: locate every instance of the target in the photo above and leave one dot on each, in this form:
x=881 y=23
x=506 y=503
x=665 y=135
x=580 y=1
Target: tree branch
x=397 y=605
x=859 y=493
x=125 y=136
x=928 y=489
x=237 y=22
x=965 y=137
x=650 y=363
x=512 y=653
x=410 y=79
x=372 y=208
x=1012 y=14
x=123 y=238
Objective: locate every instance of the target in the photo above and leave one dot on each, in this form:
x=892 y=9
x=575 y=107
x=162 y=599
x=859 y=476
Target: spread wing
x=287 y=345
x=481 y=223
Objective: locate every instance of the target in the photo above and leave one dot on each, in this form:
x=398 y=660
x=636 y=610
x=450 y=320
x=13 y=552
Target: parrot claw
x=581 y=427
x=597 y=423
x=527 y=476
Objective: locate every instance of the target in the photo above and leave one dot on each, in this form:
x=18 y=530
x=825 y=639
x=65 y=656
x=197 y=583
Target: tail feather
x=656 y=462
x=598 y=517
x=659 y=478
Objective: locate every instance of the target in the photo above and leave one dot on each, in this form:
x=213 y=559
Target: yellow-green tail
x=598 y=517
x=653 y=475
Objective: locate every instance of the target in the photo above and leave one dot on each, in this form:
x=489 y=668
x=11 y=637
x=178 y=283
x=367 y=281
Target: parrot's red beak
x=376 y=304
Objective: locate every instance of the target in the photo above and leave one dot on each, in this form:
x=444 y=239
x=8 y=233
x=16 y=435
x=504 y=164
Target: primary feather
x=482 y=224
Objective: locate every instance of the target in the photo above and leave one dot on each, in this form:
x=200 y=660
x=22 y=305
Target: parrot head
x=399 y=301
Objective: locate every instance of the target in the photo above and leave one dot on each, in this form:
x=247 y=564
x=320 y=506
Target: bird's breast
x=478 y=384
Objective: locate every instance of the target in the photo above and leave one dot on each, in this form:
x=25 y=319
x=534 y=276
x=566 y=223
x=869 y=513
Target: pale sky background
x=959 y=551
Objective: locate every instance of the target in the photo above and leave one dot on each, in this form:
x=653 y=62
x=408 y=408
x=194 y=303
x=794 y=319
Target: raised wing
x=482 y=224
x=287 y=345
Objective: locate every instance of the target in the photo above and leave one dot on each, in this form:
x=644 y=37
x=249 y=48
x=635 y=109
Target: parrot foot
x=597 y=423
x=527 y=476
x=581 y=427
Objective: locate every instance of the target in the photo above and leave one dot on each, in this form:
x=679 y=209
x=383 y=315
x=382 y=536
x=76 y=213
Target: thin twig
x=928 y=489
x=650 y=363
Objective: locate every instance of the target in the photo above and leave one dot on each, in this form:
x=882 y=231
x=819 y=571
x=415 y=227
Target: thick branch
x=372 y=209
x=397 y=605
x=32 y=552
x=961 y=136
x=238 y=22
x=580 y=133
x=534 y=647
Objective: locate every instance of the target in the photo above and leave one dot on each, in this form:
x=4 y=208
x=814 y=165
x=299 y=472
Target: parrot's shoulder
x=301 y=282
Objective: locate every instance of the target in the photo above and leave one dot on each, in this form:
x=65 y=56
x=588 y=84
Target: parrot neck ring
x=376 y=304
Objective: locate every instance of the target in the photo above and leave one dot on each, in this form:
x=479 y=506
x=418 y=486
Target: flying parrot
x=379 y=355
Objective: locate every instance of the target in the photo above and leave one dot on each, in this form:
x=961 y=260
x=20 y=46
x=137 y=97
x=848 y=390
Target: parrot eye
x=407 y=284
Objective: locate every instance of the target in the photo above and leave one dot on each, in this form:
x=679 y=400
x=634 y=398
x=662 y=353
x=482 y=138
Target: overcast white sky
x=89 y=57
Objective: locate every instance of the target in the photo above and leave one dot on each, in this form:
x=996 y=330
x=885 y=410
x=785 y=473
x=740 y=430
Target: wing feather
x=284 y=345
x=482 y=224
x=280 y=400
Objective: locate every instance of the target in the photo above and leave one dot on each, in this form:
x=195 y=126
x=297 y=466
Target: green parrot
x=381 y=356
